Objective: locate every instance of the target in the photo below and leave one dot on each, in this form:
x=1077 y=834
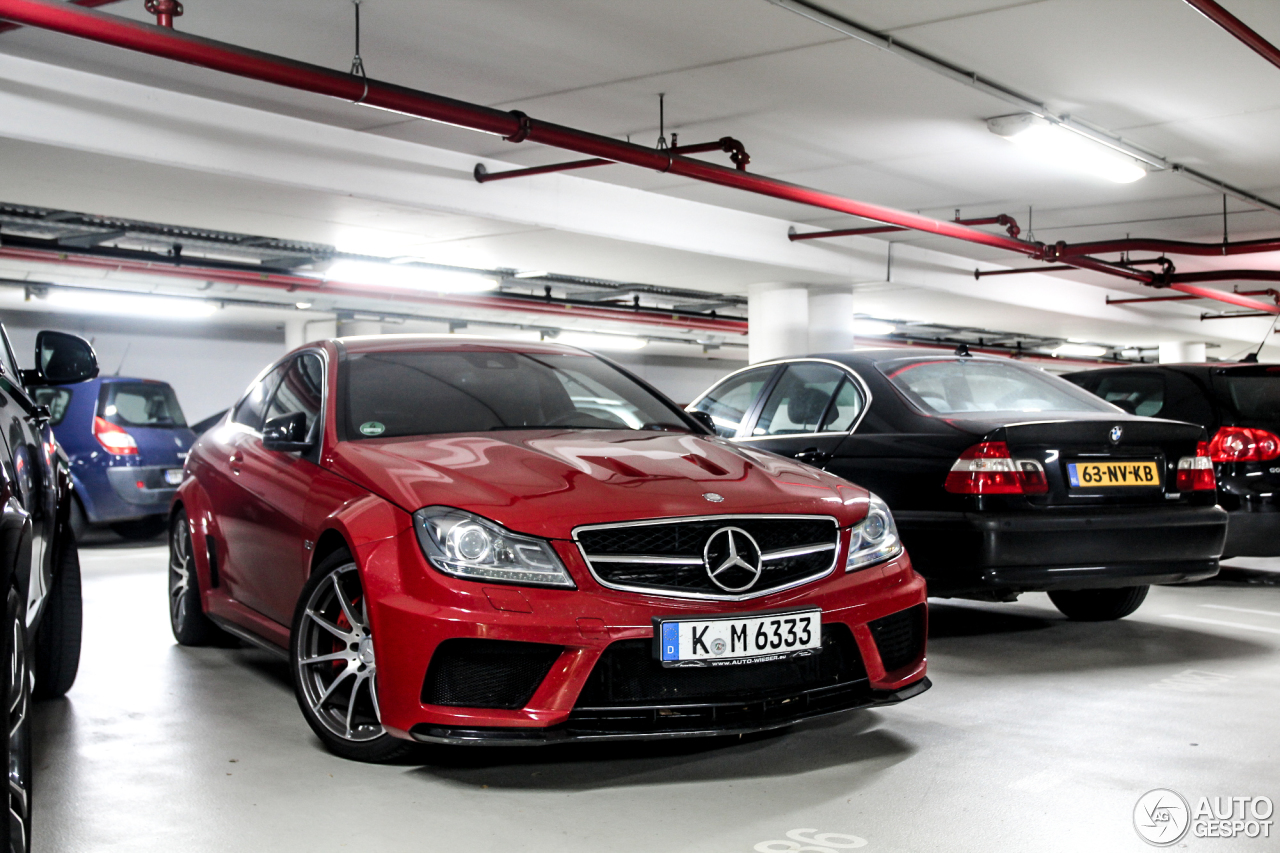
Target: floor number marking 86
x=806 y=841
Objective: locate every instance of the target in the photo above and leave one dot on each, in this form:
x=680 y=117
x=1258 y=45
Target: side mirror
x=287 y=433
x=61 y=359
x=704 y=419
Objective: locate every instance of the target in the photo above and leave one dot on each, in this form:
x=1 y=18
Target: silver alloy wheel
x=19 y=737
x=336 y=665
x=180 y=567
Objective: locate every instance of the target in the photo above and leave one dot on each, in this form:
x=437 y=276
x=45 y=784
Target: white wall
x=681 y=379
x=208 y=368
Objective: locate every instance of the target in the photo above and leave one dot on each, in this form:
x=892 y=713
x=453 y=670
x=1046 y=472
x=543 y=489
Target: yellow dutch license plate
x=1093 y=475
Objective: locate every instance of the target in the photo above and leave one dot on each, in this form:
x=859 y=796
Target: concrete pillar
x=295 y=333
x=1181 y=352
x=778 y=316
x=348 y=328
x=830 y=319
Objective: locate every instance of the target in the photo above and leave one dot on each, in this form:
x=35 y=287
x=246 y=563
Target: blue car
x=127 y=440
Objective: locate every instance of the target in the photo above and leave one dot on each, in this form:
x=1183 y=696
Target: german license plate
x=734 y=640
x=173 y=476
x=1093 y=475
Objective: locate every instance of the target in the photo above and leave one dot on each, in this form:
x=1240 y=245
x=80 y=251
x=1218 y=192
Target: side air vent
x=470 y=673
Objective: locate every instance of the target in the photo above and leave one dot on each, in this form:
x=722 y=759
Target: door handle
x=811 y=456
x=235 y=462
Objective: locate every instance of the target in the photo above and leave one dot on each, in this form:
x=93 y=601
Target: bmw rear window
x=140 y=404
x=955 y=386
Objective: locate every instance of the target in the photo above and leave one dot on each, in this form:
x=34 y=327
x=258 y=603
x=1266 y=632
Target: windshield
x=138 y=404
x=424 y=393
x=961 y=385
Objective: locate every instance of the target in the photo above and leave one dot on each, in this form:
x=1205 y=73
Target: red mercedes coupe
x=462 y=541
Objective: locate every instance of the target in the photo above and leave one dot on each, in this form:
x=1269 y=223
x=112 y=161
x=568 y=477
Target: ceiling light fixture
x=1079 y=350
x=302 y=306
x=408 y=277
x=873 y=328
x=530 y=274
x=1060 y=147
x=592 y=341
x=160 y=307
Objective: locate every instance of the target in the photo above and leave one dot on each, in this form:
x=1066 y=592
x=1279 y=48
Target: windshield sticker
x=372 y=428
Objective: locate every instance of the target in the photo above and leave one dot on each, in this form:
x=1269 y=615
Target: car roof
x=449 y=343
x=1189 y=367
x=880 y=356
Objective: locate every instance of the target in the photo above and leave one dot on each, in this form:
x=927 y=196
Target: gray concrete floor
x=1039 y=735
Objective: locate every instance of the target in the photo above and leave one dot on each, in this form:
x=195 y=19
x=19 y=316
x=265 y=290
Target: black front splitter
x=572 y=732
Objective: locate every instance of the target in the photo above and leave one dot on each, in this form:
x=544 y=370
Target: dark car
x=465 y=541
x=1003 y=479
x=1239 y=406
x=127 y=440
x=39 y=565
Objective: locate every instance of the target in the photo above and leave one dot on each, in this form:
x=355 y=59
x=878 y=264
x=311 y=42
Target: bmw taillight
x=113 y=439
x=989 y=469
x=1195 y=473
x=1242 y=444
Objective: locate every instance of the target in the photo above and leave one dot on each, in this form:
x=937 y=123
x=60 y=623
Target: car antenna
x=963 y=350
x=1251 y=358
x=120 y=366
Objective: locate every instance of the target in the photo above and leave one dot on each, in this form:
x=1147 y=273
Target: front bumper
x=414 y=609
x=962 y=553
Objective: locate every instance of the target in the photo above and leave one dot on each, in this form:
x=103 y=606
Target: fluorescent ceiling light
x=302 y=306
x=1062 y=148
x=1083 y=350
x=587 y=340
x=163 y=307
x=530 y=274
x=873 y=328
x=408 y=277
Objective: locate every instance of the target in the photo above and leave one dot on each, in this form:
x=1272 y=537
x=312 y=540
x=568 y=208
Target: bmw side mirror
x=287 y=433
x=61 y=359
x=704 y=419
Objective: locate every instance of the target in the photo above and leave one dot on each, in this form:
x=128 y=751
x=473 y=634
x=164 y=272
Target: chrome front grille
x=670 y=556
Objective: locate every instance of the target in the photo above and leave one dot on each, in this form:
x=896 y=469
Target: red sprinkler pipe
x=1002 y=219
x=728 y=144
x=91 y=4
x=165 y=11
x=1237 y=28
x=1066 y=251
x=307 y=284
x=1229 y=298
x=513 y=126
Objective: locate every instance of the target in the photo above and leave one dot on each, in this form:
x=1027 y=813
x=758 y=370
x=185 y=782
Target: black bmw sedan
x=1002 y=478
x=1239 y=406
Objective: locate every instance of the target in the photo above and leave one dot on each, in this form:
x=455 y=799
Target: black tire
x=141 y=529
x=330 y=623
x=18 y=725
x=191 y=627
x=1099 y=605
x=56 y=652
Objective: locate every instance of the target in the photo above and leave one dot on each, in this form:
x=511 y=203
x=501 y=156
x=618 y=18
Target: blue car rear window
x=140 y=404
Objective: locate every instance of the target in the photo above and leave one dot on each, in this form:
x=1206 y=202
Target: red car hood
x=546 y=482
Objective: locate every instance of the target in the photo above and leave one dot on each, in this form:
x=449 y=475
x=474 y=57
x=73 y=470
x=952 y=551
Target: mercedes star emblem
x=1116 y=433
x=732 y=559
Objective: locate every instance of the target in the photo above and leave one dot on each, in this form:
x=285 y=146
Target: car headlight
x=469 y=546
x=874 y=539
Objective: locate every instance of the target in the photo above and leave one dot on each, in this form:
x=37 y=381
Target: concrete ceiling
x=813 y=106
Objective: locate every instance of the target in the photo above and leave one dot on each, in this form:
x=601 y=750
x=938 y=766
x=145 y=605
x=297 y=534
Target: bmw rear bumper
x=991 y=553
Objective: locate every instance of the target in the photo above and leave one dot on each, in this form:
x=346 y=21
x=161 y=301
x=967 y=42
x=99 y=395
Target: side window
x=799 y=401
x=254 y=405
x=1139 y=393
x=729 y=402
x=845 y=410
x=56 y=399
x=301 y=390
